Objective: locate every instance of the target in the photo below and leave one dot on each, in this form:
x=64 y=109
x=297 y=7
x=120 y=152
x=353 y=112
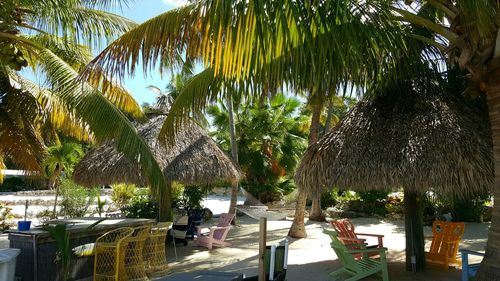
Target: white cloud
x=175 y=3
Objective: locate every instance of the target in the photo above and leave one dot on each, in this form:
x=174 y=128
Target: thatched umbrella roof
x=194 y=159
x=414 y=141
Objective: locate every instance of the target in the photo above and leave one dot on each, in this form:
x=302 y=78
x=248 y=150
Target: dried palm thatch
x=194 y=159
x=410 y=140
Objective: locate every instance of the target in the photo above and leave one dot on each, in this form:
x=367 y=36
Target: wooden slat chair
x=361 y=268
x=347 y=235
x=468 y=269
x=445 y=241
x=216 y=234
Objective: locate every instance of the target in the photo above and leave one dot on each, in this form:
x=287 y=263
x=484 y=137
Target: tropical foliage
x=49 y=37
x=271 y=136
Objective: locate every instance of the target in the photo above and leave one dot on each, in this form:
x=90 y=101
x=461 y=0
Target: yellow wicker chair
x=155 y=258
x=132 y=265
x=107 y=254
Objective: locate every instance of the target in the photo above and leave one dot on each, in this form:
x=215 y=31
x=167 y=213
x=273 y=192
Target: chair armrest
x=219 y=227
x=367 y=250
x=356 y=245
x=469 y=252
x=368 y=234
x=357 y=240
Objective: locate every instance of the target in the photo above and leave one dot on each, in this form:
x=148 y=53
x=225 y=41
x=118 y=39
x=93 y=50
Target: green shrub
x=44 y=216
x=345 y=199
x=6 y=217
x=271 y=190
x=15 y=184
x=192 y=197
x=329 y=198
x=177 y=193
x=373 y=201
x=142 y=205
x=394 y=205
x=469 y=209
x=122 y=193
x=76 y=199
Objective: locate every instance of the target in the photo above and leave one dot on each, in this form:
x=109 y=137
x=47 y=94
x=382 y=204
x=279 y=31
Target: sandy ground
x=311 y=258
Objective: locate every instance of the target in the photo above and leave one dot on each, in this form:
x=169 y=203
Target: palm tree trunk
x=298 y=228
x=329 y=116
x=316 y=212
x=54 y=183
x=165 y=203
x=415 y=252
x=490 y=266
x=234 y=153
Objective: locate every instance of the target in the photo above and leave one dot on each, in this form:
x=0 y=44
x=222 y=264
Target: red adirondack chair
x=350 y=238
x=216 y=234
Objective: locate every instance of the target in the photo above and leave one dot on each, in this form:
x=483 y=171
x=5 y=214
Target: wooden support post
x=262 y=248
x=414 y=230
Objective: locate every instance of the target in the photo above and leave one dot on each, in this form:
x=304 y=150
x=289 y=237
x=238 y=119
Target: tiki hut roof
x=413 y=141
x=194 y=159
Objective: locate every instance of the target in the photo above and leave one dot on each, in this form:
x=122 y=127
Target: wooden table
x=38 y=249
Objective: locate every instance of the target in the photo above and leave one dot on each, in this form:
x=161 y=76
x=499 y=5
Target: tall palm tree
x=49 y=36
x=260 y=45
x=469 y=36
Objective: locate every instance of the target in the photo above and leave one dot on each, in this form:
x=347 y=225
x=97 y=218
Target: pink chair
x=216 y=234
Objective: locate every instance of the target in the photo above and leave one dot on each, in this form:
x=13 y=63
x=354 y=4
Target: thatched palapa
x=194 y=159
x=408 y=140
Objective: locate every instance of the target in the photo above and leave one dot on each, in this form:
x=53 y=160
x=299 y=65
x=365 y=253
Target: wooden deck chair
x=469 y=269
x=347 y=235
x=216 y=234
x=276 y=262
x=361 y=268
x=445 y=240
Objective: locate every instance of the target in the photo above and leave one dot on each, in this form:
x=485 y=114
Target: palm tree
x=82 y=109
x=271 y=136
x=260 y=45
x=469 y=36
x=61 y=159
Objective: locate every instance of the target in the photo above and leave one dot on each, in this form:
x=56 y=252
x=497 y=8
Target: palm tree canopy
x=256 y=46
x=82 y=109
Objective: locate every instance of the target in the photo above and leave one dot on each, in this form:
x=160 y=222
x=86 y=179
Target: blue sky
x=140 y=11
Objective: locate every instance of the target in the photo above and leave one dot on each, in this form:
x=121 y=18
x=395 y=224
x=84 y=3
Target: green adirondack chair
x=361 y=268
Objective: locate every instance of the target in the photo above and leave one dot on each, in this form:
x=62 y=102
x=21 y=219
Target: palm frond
x=55 y=111
x=105 y=120
x=297 y=42
x=76 y=22
x=2 y=166
x=193 y=97
x=19 y=137
x=77 y=56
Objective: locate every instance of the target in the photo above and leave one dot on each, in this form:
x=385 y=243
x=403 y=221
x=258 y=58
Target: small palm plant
x=60 y=161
